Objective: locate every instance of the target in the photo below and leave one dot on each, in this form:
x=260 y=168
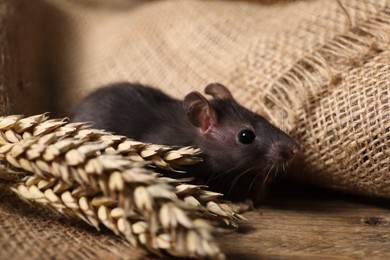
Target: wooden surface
x=310 y=223
x=294 y=222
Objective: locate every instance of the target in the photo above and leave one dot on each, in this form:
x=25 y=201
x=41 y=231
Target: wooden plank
x=312 y=225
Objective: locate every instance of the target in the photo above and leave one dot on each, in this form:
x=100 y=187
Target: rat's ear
x=199 y=111
x=218 y=91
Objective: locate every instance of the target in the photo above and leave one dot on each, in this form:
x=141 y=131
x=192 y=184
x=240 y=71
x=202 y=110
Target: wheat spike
x=106 y=179
x=154 y=223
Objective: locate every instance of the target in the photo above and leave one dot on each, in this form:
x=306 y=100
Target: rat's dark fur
x=149 y=115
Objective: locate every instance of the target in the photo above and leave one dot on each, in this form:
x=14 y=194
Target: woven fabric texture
x=319 y=69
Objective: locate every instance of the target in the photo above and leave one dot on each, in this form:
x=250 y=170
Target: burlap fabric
x=317 y=68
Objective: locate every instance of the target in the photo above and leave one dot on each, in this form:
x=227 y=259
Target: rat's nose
x=295 y=150
x=282 y=152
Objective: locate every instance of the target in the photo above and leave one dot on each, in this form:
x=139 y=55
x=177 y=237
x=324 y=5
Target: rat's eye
x=246 y=136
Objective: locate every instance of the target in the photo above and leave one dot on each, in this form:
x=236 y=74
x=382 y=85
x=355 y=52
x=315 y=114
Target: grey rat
x=235 y=141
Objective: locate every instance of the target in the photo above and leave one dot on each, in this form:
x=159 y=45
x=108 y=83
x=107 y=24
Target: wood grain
x=312 y=224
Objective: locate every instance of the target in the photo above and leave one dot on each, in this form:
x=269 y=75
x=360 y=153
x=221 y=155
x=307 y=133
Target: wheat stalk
x=103 y=178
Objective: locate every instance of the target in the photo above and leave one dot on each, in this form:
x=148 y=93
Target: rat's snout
x=283 y=152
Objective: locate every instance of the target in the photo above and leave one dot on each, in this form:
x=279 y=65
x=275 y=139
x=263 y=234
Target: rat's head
x=233 y=138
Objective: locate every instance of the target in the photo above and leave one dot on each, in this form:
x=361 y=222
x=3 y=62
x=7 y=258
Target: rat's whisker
x=268 y=173
x=285 y=168
x=276 y=174
x=236 y=179
x=217 y=175
x=254 y=179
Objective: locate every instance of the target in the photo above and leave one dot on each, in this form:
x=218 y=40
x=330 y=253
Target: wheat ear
x=103 y=178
